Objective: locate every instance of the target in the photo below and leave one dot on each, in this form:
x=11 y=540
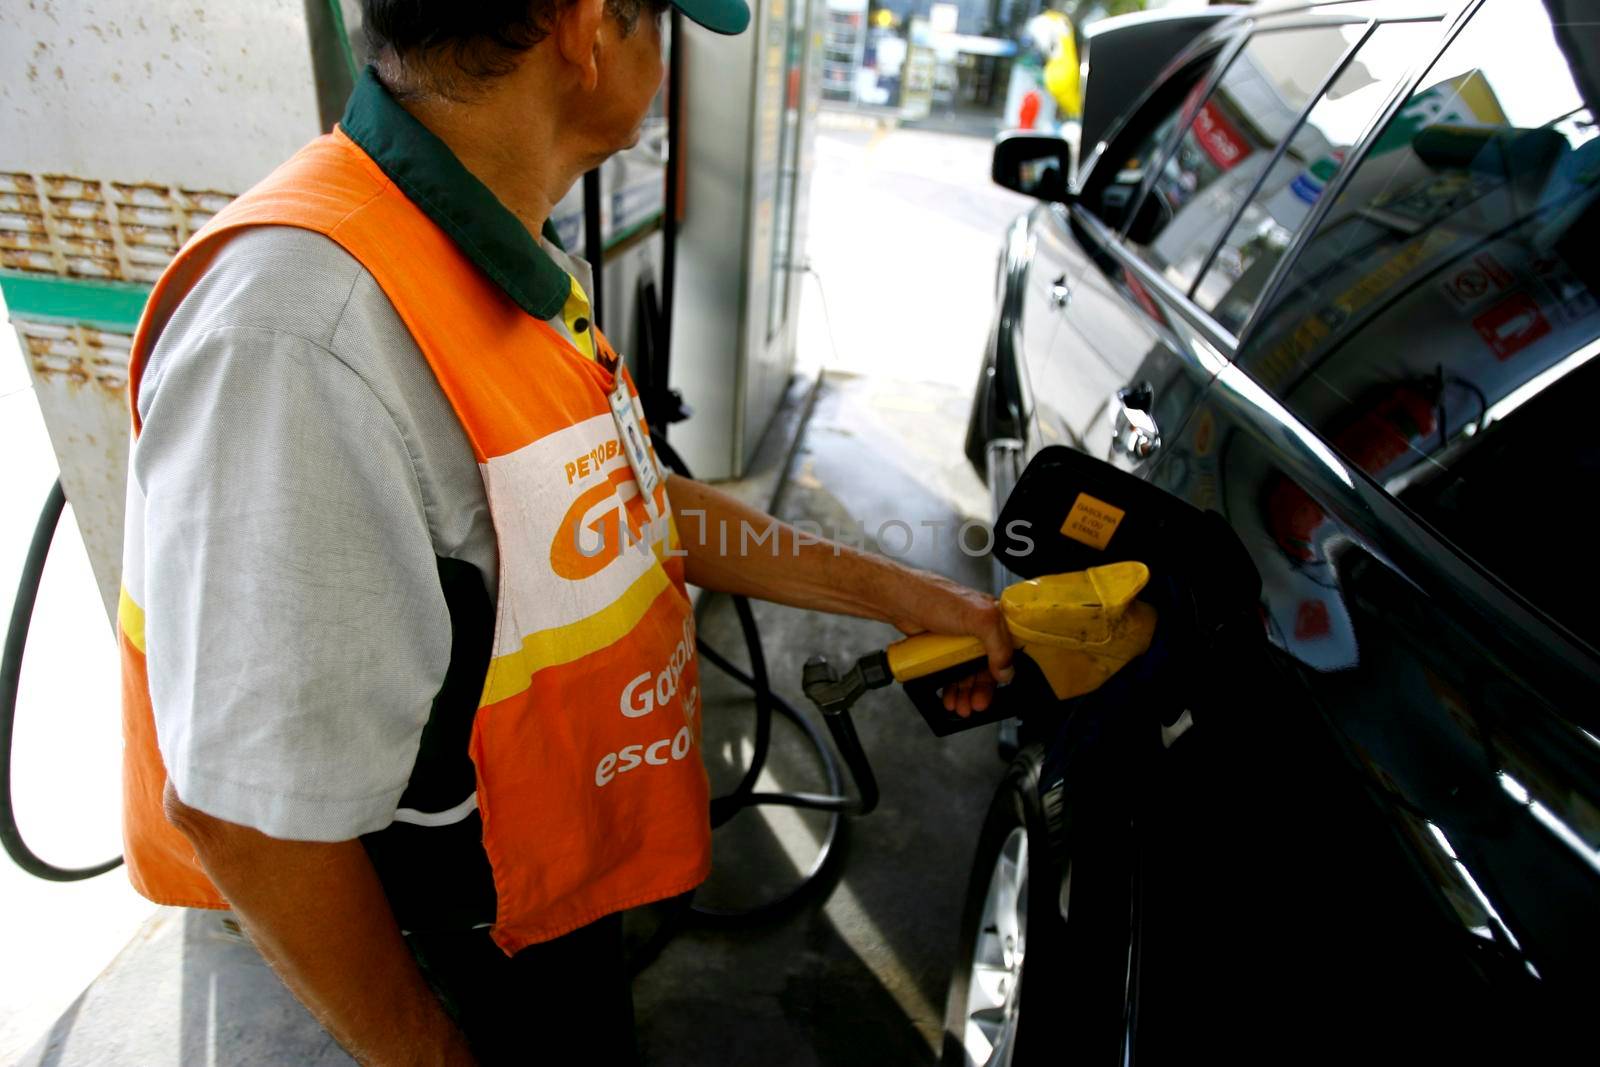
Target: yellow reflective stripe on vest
x=510 y=674
x=130 y=620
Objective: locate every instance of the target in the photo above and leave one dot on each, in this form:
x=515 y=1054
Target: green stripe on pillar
x=114 y=306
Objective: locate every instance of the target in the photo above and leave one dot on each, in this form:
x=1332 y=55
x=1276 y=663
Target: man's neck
x=513 y=149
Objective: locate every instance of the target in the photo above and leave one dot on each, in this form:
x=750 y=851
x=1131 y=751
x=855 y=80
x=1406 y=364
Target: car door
x=1141 y=366
x=1051 y=261
x=1405 y=790
x=1063 y=376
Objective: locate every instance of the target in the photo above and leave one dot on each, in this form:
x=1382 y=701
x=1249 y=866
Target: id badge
x=635 y=445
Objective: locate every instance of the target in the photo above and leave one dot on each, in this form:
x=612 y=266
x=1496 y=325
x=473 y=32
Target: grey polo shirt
x=310 y=499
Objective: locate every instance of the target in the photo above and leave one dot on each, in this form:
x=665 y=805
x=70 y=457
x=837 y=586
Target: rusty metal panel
x=80 y=227
x=80 y=376
x=180 y=95
x=124 y=126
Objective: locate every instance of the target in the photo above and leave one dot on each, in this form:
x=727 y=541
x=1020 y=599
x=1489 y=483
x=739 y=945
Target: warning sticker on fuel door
x=1091 y=521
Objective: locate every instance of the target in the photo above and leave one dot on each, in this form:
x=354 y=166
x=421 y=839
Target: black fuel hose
x=768 y=703
x=724 y=808
x=844 y=736
x=10 y=678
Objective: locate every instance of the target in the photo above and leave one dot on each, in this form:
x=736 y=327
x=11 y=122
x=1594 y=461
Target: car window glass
x=1311 y=159
x=1229 y=142
x=1119 y=174
x=1440 y=325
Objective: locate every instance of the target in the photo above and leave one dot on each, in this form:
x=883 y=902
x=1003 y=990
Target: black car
x=1331 y=271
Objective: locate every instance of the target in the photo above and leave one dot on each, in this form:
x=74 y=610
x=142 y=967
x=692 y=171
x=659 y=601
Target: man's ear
x=577 y=35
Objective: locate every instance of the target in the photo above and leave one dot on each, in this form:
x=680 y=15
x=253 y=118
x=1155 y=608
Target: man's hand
x=808 y=572
x=318 y=915
x=930 y=603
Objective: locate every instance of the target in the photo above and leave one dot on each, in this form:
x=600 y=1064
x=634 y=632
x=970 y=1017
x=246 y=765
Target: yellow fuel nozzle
x=1080 y=628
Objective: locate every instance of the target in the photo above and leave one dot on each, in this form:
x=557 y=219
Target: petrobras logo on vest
x=606 y=520
x=647 y=692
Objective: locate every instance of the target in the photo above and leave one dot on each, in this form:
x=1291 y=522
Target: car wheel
x=1010 y=930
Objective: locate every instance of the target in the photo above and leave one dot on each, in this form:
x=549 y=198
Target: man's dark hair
x=449 y=46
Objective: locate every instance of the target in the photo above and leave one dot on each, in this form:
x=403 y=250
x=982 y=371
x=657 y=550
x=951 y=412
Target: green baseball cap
x=727 y=17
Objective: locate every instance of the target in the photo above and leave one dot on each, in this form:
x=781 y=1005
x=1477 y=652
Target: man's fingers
x=996 y=637
x=955 y=696
x=969 y=694
x=1000 y=652
x=982 y=692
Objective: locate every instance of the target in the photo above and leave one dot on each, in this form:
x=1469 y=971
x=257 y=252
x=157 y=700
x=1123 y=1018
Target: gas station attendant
x=381 y=604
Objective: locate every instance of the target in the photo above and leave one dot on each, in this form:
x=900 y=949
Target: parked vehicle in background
x=1334 y=274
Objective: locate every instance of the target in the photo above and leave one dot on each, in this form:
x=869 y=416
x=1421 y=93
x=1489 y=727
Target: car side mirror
x=1034 y=164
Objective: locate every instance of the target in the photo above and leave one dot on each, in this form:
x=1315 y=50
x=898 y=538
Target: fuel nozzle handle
x=1078 y=627
x=834 y=695
x=1071 y=631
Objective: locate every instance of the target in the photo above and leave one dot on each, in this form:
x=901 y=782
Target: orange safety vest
x=590 y=787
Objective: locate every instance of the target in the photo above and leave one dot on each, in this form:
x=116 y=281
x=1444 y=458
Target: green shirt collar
x=447 y=192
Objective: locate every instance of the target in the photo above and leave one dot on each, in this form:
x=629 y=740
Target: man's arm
x=821 y=575
x=316 y=912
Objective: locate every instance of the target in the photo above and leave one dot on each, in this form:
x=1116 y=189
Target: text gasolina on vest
x=643 y=695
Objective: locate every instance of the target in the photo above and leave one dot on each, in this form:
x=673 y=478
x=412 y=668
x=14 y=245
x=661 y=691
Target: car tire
x=1011 y=933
